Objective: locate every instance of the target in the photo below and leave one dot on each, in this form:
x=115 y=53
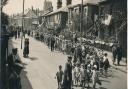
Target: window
x=85 y=10
x=75 y=10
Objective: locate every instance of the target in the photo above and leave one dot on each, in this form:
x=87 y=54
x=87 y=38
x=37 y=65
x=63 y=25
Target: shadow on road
x=102 y=88
x=105 y=81
x=123 y=65
x=24 y=64
x=33 y=58
x=25 y=81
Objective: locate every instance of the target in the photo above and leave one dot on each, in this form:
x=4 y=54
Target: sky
x=15 y=6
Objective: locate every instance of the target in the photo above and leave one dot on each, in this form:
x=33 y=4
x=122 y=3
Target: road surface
x=42 y=64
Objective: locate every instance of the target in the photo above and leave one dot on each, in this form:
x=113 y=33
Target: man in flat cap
x=13 y=68
x=67 y=82
x=14 y=57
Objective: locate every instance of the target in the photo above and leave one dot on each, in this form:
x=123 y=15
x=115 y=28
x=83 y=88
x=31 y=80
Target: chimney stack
x=32 y=8
x=68 y=2
x=59 y=4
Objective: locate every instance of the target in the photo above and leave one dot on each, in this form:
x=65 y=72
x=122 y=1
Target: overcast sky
x=15 y=6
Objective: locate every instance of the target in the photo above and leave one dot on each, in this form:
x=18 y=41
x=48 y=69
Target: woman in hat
x=26 y=47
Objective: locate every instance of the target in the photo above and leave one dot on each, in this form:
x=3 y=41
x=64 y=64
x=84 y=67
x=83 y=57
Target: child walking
x=59 y=76
x=95 y=77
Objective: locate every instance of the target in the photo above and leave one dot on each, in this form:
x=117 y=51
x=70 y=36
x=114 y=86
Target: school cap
x=69 y=57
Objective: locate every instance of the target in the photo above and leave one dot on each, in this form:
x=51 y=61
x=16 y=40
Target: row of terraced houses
x=101 y=19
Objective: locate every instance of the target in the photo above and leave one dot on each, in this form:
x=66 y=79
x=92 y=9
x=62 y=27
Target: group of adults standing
x=117 y=53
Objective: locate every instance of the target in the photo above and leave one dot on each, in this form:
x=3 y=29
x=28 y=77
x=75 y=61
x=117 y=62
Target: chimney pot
x=59 y=4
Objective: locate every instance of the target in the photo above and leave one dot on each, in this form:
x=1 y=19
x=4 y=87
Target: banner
x=107 y=19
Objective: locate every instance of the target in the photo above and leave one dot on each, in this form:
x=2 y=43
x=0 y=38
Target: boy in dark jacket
x=59 y=76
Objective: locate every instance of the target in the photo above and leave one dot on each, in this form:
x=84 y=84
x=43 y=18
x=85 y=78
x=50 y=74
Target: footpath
x=123 y=65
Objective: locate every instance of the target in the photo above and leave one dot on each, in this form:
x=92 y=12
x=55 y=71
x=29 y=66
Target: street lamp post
x=22 y=24
x=81 y=21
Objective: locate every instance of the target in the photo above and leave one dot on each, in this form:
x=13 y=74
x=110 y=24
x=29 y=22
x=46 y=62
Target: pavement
x=42 y=65
x=123 y=65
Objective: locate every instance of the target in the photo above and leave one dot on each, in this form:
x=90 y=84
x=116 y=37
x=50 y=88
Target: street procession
x=63 y=44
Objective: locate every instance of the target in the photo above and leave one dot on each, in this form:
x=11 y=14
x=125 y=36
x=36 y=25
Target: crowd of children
x=87 y=68
x=87 y=64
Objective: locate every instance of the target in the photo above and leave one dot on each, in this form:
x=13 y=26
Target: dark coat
x=26 y=47
x=12 y=65
x=67 y=74
x=10 y=62
x=119 y=53
x=68 y=71
x=106 y=64
x=114 y=51
x=52 y=40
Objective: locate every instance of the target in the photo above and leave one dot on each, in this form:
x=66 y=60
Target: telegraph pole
x=81 y=21
x=22 y=24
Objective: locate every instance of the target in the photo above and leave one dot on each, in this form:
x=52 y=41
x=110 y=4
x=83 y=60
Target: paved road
x=42 y=64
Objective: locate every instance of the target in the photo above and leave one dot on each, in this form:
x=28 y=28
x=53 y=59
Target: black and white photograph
x=63 y=44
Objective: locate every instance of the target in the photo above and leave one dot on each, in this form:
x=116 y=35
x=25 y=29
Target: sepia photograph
x=63 y=44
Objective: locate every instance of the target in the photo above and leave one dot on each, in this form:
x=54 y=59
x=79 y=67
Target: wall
x=64 y=19
x=118 y=10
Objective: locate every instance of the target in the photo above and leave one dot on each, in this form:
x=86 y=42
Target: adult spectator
x=114 y=52
x=119 y=54
x=67 y=82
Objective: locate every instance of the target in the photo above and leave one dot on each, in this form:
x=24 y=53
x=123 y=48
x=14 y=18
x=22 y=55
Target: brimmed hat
x=69 y=58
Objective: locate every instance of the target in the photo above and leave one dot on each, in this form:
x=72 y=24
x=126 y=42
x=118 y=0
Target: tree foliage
x=4 y=2
x=4 y=19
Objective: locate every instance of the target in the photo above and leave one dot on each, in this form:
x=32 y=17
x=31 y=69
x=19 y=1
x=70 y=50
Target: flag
x=107 y=19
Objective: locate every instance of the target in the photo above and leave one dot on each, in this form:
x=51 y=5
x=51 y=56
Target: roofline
x=45 y=14
x=103 y=2
x=85 y=4
x=91 y=4
x=55 y=13
x=72 y=6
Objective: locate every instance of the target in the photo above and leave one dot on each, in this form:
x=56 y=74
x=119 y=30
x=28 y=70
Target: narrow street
x=92 y=32
x=42 y=64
